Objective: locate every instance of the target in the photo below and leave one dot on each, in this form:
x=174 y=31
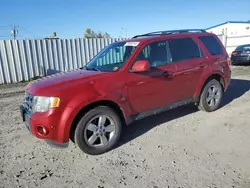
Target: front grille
x=28 y=100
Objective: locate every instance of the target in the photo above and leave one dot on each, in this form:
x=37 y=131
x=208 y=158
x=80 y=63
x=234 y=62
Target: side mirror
x=141 y=66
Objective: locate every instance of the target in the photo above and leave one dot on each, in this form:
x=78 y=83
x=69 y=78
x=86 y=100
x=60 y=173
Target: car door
x=155 y=88
x=190 y=63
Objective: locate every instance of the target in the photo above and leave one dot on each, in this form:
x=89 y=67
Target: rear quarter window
x=212 y=45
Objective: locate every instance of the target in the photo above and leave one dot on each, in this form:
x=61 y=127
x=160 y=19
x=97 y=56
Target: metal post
x=14 y=31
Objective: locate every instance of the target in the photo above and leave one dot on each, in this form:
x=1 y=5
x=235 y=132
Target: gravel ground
x=8 y=88
x=180 y=148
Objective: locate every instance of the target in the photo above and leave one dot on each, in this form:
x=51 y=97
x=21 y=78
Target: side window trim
x=197 y=41
x=169 y=54
x=201 y=52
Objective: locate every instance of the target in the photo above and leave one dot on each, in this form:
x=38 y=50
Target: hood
x=56 y=81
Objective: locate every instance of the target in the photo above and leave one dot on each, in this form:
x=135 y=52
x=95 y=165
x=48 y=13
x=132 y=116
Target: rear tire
x=98 y=131
x=211 y=96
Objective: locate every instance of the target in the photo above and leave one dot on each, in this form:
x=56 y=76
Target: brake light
x=234 y=53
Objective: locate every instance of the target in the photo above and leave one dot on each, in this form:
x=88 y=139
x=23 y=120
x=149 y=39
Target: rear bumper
x=240 y=59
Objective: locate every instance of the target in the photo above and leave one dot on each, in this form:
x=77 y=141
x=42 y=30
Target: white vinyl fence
x=22 y=60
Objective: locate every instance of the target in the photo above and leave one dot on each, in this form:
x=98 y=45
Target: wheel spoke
x=110 y=128
x=92 y=127
x=102 y=120
x=104 y=139
x=215 y=90
x=210 y=91
x=212 y=102
x=92 y=139
x=217 y=96
x=209 y=99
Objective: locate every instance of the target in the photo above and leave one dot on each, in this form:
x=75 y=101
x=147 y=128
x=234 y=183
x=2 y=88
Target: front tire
x=211 y=96
x=98 y=131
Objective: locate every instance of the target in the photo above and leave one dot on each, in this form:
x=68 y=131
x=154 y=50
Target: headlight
x=43 y=104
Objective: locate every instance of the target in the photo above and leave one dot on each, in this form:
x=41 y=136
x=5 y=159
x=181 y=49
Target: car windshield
x=113 y=57
x=243 y=47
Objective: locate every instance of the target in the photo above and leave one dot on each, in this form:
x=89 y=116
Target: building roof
x=227 y=23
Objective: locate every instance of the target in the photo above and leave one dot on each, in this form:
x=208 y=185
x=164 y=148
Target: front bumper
x=50 y=121
x=25 y=117
x=57 y=144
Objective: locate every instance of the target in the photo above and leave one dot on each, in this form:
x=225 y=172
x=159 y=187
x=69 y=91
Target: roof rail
x=169 y=32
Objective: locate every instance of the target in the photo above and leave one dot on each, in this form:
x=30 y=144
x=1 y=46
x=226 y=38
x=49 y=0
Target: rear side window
x=212 y=45
x=184 y=49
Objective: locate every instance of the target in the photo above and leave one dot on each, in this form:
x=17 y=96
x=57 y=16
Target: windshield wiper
x=92 y=68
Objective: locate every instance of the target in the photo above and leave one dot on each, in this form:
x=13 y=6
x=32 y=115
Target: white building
x=232 y=33
x=231 y=28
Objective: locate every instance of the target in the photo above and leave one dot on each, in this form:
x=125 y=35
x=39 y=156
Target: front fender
x=82 y=100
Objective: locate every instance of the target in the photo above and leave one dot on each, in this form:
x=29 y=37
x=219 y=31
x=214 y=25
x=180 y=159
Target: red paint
x=142 y=91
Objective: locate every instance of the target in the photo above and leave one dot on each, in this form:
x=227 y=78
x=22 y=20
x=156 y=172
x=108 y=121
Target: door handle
x=203 y=65
x=167 y=74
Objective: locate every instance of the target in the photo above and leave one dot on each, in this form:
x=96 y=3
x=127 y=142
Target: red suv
x=127 y=81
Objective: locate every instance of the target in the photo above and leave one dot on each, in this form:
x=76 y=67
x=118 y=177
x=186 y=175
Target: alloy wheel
x=213 y=96
x=99 y=131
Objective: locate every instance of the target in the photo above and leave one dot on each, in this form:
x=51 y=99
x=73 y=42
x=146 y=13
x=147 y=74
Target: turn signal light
x=55 y=101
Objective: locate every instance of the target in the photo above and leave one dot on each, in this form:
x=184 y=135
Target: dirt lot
x=180 y=148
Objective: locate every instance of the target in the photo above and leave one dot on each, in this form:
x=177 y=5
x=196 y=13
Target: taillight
x=234 y=53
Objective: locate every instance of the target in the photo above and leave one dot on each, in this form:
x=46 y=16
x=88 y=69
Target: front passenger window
x=157 y=53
